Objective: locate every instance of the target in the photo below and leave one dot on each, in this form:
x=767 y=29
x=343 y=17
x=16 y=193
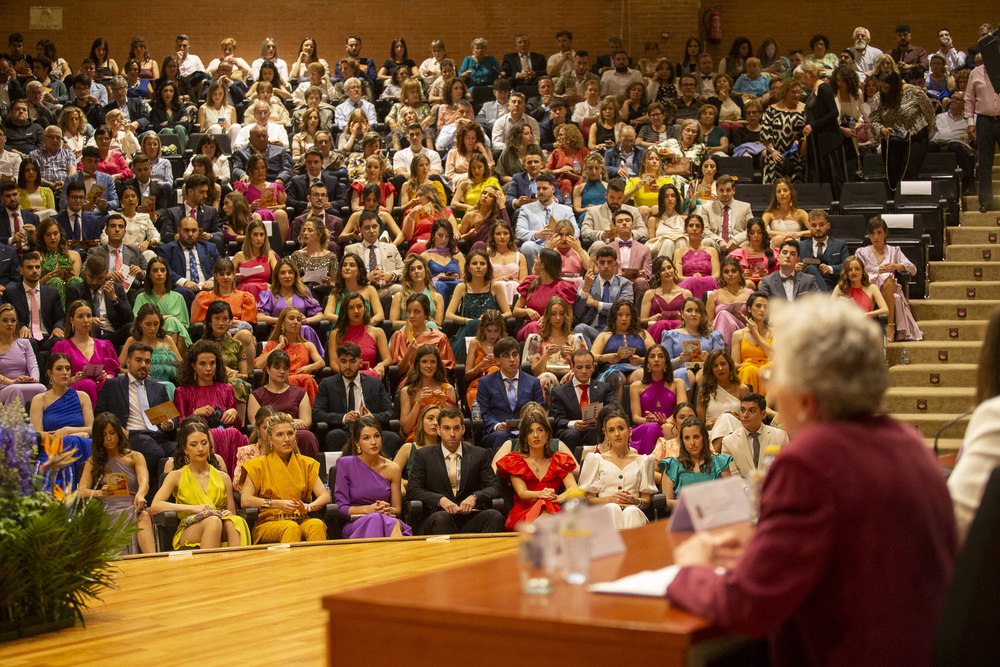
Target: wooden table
x=476 y=614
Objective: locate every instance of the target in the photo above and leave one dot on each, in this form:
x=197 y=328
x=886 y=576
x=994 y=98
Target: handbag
x=898 y=137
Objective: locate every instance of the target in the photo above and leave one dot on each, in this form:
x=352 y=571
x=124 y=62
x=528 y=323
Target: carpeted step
x=979 y=252
x=924 y=375
x=955 y=270
x=927 y=352
x=971 y=217
x=945 y=445
x=973 y=235
x=951 y=309
x=965 y=330
x=972 y=201
x=987 y=290
x=930 y=400
x=930 y=424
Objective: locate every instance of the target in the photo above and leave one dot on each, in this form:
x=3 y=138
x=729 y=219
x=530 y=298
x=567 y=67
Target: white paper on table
x=251 y=270
x=605 y=540
x=315 y=276
x=709 y=505
x=591 y=411
x=648 y=583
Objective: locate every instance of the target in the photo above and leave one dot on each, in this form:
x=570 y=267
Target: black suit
x=512 y=67
x=330 y=406
x=429 y=483
x=136 y=113
x=9 y=264
x=298 y=189
x=51 y=314
x=162 y=194
x=566 y=408
x=7 y=223
x=153 y=445
x=118 y=314
x=208 y=220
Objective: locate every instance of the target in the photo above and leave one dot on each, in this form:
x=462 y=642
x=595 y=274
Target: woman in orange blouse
x=305 y=358
x=242 y=305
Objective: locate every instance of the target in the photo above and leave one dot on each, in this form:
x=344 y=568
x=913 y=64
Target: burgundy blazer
x=853 y=554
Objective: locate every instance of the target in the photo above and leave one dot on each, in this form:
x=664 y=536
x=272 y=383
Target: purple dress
x=726 y=323
x=272 y=304
x=104 y=355
x=357 y=484
x=698 y=261
x=658 y=397
x=17 y=361
x=671 y=311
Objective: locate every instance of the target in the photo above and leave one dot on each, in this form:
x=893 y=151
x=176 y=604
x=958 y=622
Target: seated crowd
x=320 y=256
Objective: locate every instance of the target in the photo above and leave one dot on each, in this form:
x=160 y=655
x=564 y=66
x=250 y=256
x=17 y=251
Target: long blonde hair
x=265 y=250
x=546 y=323
x=279 y=326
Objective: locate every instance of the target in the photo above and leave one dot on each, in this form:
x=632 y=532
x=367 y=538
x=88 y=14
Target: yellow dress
x=189 y=492
x=475 y=190
x=274 y=480
x=754 y=359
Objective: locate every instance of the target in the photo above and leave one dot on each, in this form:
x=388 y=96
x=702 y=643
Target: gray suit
x=586 y=316
x=132 y=256
x=597 y=220
x=739 y=216
x=737 y=444
x=391 y=262
x=771 y=285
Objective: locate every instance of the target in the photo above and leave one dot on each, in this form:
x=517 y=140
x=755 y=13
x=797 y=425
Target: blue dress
x=673 y=340
x=481 y=73
x=66 y=411
x=444 y=286
x=594 y=193
x=616 y=341
x=682 y=477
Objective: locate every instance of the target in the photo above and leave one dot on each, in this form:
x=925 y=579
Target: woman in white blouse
x=269 y=51
x=619 y=478
x=209 y=147
x=216 y=116
x=140 y=229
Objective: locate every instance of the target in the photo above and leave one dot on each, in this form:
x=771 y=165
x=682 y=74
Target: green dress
x=172 y=303
x=52 y=261
x=163 y=369
x=682 y=477
x=232 y=352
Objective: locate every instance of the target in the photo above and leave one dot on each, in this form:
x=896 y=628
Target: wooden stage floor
x=250 y=606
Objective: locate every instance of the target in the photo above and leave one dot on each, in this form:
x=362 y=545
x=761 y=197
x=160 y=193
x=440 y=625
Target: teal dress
x=594 y=193
x=681 y=477
x=163 y=369
x=473 y=306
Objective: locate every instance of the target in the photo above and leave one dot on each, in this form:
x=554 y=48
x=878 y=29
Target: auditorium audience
x=654 y=399
x=751 y=345
x=694 y=463
x=285 y=398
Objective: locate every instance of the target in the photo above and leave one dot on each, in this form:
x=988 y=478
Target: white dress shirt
x=135 y=421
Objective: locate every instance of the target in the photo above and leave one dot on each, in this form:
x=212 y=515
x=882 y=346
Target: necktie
x=453 y=472
x=77 y=231
x=372 y=259
x=144 y=404
x=584 y=398
x=193 y=266
x=785 y=279
x=17 y=229
x=725 y=223
x=36 y=323
x=194 y=213
x=95 y=301
x=525 y=64
x=118 y=259
x=512 y=395
x=756 y=447
x=602 y=319
x=531 y=189
x=351 y=402
x=820 y=248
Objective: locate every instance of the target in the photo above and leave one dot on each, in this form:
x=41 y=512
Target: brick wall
x=591 y=21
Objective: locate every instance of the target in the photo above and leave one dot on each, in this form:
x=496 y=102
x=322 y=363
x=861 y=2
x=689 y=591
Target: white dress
x=718 y=408
x=784 y=226
x=604 y=478
x=669 y=237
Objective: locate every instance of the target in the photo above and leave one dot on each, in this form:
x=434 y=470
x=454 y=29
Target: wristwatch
x=267 y=504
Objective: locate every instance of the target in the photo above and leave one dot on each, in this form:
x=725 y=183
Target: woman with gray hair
x=855 y=547
x=479 y=69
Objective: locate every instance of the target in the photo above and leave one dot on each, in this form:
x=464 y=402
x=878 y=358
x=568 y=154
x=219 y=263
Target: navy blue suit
x=118 y=314
x=566 y=408
x=279 y=163
x=492 y=398
x=110 y=192
x=153 y=445
x=92 y=223
x=7 y=223
x=298 y=189
x=614 y=157
x=177 y=264
x=833 y=256
x=330 y=406
x=207 y=217
x=9 y=264
x=520 y=186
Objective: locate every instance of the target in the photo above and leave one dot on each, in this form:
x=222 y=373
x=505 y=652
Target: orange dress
x=437 y=400
x=470 y=394
x=243 y=305
x=298 y=353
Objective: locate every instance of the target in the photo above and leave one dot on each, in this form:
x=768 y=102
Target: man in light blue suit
x=533 y=222
x=598 y=293
x=502 y=394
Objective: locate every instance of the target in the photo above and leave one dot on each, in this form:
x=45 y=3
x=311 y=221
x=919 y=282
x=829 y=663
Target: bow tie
x=624 y=244
x=787 y=278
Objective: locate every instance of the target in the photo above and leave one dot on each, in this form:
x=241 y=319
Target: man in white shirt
x=385 y=266
x=276 y=134
x=953 y=58
x=354 y=101
x=515 y=106
x=951 y=135
x=187 y=62
x=402 y=159
x=562 y=62
x=125 y=262
x=726 y=218
x=705 y=77
x=430 y=69
x=463 y=112
x=616 y=81
x=865 y=56
x=597 y=224
x=749 y=444
x=533 y=229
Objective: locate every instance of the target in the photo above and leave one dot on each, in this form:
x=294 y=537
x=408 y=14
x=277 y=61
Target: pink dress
x=356 y=333
x=503 y=271
x=860 y=298
x=698 y=261
x=671 y=312
x=258 y=282
x=252 y=194
x=540 y=297
x=422 y=232
x=104 y=355
x=906 y=325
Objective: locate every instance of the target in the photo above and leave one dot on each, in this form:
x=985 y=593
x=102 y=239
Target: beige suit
x=391 y=262
x=739 y=216
x=739 y=446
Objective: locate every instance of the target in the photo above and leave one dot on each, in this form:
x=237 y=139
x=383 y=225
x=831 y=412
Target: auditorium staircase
x=939 y=383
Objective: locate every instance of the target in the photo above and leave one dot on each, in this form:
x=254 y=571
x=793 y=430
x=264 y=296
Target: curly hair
x=491 y=318
x=731 y=261
x=634 y=326
x=38 y=242
x=339 y=287
x=844 y=283
x=186 y=375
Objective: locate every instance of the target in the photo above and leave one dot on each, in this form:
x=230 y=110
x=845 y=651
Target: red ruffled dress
x=528 y=510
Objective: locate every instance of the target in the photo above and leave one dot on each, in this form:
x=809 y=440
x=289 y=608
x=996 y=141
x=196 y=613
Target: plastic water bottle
x=575 y=537
x=757 y=481
x=904 y=357
x=576 y=166
x=477 y=413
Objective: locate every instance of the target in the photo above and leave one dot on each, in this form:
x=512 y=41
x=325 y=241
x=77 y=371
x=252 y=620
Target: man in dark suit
x=163 y=195
x=569 y=397
x=9 y=265
x=127 y=396
x=16 y=226
x=298 y=188
x=605 y=62
x=502 y=394
x=522 y=189
x=337 y=408
x=191 y=262
x=830 y=252
x=279 y=161
x=108 y=303
x=788 y=282
x=131 y=107
x=79 y=225
x=452 y=480
x=125 y=262
x=524 y=66
x=599 y=290
x=556 y=116
x=319 y=211
x=193 y=206
x=46 y=328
